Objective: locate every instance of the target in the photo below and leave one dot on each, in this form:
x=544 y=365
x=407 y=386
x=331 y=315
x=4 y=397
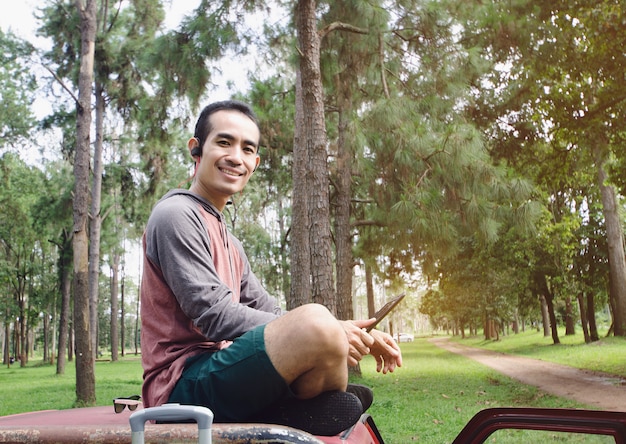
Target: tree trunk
x=22 y=325
x=300 y=292
x=369 y=290
x=16 y=341
x=486 y=327
x=137 y=334
x=615 y=243
x=343 y=238
x=570 y=327
x=53 y=332
x=545 y=317
x=591 y=318
x=550 y=304
x=95 y=224
x=315 y=139
x=71 y=347
x=85 y=375
x=65 y=262
x=583 y=317
x=284 y=244
x=115 y=307
x=122 y=313
x=6 y=348
x=46 y=336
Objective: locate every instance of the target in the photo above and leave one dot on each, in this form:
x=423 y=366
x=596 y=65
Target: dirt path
x=598 y=390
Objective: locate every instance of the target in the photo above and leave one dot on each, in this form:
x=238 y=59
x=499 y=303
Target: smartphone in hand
x=385 y=310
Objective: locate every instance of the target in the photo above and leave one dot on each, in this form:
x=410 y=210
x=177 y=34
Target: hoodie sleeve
x=178 y=243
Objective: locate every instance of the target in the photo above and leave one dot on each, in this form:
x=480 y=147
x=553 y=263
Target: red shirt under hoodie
x=198 y=293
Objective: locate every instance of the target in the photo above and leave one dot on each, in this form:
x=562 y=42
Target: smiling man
x=211 y=335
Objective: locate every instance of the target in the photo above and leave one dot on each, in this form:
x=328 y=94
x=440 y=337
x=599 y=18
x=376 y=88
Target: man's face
x=229 y=157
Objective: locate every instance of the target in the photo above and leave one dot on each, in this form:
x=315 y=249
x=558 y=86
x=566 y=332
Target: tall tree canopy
x=18 y=84
x=555 y=106
x=470 y=149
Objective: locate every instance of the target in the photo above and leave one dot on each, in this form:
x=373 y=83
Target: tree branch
x=381 y=54
x=341 y=27
x=366 y=223
x=604 y=106
x=58 y=79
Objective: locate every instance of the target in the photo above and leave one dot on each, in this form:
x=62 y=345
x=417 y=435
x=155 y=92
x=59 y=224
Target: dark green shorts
x=235 y=383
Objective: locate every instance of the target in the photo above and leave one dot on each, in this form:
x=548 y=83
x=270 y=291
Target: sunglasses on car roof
x=131 y=402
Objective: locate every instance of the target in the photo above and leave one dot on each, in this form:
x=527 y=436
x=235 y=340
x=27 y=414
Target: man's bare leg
x=309 y=349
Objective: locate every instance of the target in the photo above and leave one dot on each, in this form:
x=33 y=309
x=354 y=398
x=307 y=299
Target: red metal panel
x=103 y=425
x=594 y=422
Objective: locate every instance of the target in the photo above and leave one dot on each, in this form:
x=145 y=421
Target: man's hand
x=377 y=343
x=358 y=339
x=386 y=352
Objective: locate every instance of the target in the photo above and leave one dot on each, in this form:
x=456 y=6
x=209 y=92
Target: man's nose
x=236 y=155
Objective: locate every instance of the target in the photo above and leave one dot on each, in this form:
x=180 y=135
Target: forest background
x=468 y=153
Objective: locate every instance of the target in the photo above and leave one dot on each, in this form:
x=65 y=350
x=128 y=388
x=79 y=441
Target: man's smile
x=230 y=172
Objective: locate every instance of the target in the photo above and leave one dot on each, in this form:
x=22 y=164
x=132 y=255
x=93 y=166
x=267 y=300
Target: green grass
x=435 y=394
x=428 y=400
x=605 y=355
x=37 y=387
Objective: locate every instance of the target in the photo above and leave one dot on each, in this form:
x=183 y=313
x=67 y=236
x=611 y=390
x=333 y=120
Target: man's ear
x=258 y=161
x=194 y=147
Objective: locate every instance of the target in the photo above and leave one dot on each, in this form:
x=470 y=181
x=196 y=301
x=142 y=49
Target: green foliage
x=260 y=215
x=25 y=254
x=426 y=168
x=470 y=128
x=542 y=79
x=18 y=84
x=433 y=304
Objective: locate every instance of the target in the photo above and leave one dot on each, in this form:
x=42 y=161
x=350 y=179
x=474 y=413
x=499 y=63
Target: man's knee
x=318 y=321
x=310 y=330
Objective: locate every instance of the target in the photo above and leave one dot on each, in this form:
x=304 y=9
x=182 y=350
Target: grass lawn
x=37 y=387
x=435 y=393
x=605 y=355
x=428 y=400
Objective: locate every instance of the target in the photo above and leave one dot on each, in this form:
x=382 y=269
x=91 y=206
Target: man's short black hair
x=203 y=125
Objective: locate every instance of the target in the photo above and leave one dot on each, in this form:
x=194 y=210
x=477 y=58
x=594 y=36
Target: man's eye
x=249 y=149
